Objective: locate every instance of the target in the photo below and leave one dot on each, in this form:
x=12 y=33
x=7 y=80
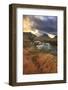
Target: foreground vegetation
x=36 y=62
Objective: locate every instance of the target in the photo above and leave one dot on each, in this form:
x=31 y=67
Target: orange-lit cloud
x=27 y=24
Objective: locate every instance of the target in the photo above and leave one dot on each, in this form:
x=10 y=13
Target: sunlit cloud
x=36 y=24
x=40 y=17
x=27 y=24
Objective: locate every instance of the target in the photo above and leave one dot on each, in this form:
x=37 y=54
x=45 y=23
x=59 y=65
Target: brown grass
x=39 y=62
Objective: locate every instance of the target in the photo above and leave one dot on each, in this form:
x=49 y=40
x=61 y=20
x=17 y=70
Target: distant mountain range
x=29 y=36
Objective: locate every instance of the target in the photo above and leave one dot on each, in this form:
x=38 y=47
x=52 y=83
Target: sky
x=39 y=24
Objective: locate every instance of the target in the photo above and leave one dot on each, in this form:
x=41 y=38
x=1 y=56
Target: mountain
x=28 y=36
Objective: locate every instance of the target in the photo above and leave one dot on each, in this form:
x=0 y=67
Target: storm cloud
x=46 y=24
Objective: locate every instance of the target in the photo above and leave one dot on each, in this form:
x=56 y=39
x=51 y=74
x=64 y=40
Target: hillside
x=44 y=38
x=38 y=61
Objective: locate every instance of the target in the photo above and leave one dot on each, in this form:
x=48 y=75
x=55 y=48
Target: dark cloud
x=44 y=23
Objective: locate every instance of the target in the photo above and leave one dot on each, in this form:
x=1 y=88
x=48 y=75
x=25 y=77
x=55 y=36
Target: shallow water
x=47 y=47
